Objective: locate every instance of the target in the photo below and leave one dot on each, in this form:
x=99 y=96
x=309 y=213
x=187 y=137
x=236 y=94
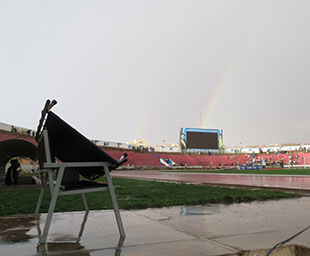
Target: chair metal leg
x=114 y=201
x=85 y=202
x=39 y=201
x=51 y=208
x=51 y=180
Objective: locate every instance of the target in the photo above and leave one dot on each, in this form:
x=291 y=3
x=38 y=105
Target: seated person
x=11 y=177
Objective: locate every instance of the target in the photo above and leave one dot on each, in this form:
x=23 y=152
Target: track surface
x=293 y=182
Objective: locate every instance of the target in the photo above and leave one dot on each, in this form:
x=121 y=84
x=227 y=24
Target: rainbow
x=220 y=85
x=212 y=102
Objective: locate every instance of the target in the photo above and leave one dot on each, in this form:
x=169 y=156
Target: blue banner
x=251 y=167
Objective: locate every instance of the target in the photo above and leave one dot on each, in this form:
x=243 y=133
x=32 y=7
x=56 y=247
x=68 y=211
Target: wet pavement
x=295 y=182
x=187 y=230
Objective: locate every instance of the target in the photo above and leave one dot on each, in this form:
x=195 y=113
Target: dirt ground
x=289 y=250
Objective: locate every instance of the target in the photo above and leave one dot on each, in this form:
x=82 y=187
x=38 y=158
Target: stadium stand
x=138 y=159
x=149 y=158
x=9 y=136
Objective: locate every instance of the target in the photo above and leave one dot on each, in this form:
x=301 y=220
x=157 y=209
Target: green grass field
x=264 y=171
x=134 y=194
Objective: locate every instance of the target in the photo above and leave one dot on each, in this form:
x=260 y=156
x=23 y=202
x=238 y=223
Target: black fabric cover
x=68 y=145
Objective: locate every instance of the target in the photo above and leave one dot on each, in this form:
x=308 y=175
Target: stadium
x=199 y=158
x=182 y=128
x=198 y=148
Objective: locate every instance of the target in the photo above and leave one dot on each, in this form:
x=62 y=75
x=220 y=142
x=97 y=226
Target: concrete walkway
x=189 y=230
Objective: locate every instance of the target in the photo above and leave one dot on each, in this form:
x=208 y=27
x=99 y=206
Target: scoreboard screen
x=202 y=140
x=192 y=138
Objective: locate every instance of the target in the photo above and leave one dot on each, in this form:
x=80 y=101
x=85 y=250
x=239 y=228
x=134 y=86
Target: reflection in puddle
x=119 y=247
x=200 y=210
x=64 y=243
x=69 y=244
x=66 y=238
x=69 y=248
x=72 y=249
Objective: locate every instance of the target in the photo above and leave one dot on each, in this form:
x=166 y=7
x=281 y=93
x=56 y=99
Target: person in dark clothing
x=11 y=177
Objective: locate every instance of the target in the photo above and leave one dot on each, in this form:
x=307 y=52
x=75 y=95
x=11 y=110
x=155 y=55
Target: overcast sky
x=122 y=70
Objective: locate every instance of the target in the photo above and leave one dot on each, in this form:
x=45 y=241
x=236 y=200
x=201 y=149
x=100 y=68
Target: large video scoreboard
x=194 y=138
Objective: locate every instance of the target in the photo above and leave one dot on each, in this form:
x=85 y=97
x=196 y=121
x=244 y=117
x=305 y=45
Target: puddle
x=15 y=229
x=201 y=210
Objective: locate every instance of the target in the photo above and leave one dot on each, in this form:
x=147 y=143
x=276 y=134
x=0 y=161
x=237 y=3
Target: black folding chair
x=63 y=149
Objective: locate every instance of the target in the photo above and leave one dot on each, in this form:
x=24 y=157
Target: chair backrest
x=68 y=145
x=70 y=177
